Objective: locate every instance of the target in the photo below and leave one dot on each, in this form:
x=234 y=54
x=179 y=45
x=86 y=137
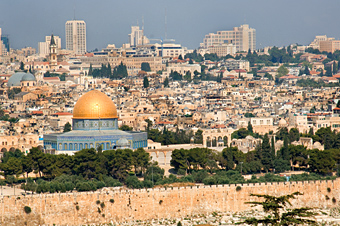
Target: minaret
x=53 y=54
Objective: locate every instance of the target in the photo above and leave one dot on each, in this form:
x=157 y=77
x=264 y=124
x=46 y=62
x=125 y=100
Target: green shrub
x=329 y=189
x=77 y=207
x=133 y=182
x=209 y=181
x=102 y=205
x=98 y=202
x=181 y=172
x=238 y=188
x=334 y=200
x=112 y=200
x=27 y=209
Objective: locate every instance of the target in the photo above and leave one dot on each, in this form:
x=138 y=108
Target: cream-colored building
x=43 y=47
x=182 y=69
x=136 y=37
x=221 y=50
x=243 y=37
x=75 y=31
x=329 y=45
x=22 y=142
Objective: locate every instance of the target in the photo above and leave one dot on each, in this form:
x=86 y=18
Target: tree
x=293 y=135
x=166 y=82
x=273 y=147
x=12 y=167
x=250 y=128
x=266 y=154
x=22 y=66
x=227 y=154
x=141 y=160
x=179 y=159
x=145 y=66
x=146 y=82
x=125 y=128
x=67 y=127
x=90 y=70
x=282 y=71
x=180 y=57
x=240 y=134
x=274 y=205
x=321 y=162
x=198 y=138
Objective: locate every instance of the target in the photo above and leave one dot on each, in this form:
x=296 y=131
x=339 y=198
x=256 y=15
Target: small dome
x=123 y=142
x=282 y=122
x=28 y=77
x=15 y=79
x=317 y=143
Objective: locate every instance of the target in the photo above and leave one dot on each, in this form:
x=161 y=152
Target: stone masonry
x=120 y=204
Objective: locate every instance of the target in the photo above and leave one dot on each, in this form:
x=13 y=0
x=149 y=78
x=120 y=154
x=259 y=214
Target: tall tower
x=0 y=43
x=75 y=31
x=53 y=54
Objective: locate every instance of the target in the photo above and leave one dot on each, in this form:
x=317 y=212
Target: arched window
x=65 y=146
x=80 y=146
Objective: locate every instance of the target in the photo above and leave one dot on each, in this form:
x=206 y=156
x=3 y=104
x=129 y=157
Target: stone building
x=95 y=124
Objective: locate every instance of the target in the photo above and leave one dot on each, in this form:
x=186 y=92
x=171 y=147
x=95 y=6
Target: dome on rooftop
x=94 y=105
x=16 y=78
x=123 y=142
x=28 y=77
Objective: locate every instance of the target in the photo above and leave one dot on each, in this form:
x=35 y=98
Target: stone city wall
x=119 y=204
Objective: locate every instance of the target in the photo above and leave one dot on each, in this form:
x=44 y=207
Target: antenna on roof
x=165 y=25
x=74 y=10
x=143 y=30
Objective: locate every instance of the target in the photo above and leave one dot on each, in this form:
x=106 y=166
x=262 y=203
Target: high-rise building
x=243 y=37
x=43 y=47
x=75 y=31
x=0 y=44
x=136 y=37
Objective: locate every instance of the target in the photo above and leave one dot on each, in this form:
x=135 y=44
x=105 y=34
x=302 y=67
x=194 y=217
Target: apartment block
x=243 y=37
x=75 y=31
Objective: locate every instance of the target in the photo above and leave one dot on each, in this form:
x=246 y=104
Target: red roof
x=37 y=112
x=165 y=122
x=240 y=70
x=289 y=77
x=51 y=78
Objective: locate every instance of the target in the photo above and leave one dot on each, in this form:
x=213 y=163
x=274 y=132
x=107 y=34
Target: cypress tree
x=273 y=147
x=266 y=158
x=285 y=149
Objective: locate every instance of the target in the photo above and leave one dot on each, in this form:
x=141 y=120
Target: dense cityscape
x=153 y=114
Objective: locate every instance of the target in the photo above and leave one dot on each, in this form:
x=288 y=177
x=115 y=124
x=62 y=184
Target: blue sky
x=108 y=21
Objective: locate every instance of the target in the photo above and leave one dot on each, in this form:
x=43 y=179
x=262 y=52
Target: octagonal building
x=94 y=124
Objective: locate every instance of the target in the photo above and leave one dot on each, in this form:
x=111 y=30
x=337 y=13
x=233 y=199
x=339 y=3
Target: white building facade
x=243 y=37
x=75 y=31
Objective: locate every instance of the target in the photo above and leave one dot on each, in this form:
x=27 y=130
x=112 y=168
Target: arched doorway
x=225 y=141
x=208 y=142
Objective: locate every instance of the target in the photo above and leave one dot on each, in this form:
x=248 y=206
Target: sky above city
x=278 y=23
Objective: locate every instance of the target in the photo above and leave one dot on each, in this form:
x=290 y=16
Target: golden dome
x=94 y=105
